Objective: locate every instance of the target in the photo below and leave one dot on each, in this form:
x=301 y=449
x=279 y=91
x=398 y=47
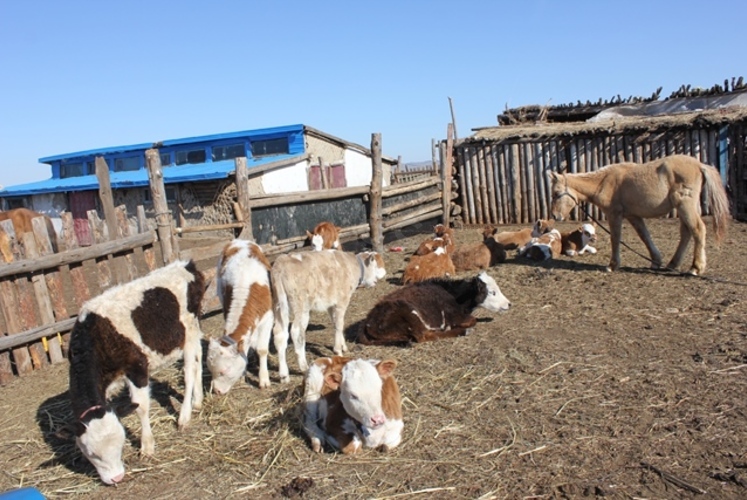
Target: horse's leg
x=640 y=227
x=615 y=234
x=691 y=224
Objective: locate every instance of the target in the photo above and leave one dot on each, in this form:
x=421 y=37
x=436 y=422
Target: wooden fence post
x=160 y=205
x=377 y=234
x=110 y=217
x=446 y=175
x=242 y=193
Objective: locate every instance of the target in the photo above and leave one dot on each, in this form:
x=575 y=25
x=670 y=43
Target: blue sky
x=80 y=75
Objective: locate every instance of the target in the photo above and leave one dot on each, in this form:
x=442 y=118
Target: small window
x=166 y=159
x=72 y=170
x=269 y=147
x=229 y=152
x=170 y=194
x=19 y=202
x=191 y=156
x=127 y=164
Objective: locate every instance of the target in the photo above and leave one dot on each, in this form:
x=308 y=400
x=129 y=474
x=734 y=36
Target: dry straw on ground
x=629 y=385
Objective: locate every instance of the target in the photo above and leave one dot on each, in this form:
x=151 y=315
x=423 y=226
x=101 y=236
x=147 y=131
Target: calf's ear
x=69 y=430
x=386 y=367
x=308 y=234
x=333 y=380
x=125 y=409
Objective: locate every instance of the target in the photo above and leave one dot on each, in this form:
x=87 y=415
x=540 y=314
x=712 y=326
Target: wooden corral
x=42 y=292
x=501 y=171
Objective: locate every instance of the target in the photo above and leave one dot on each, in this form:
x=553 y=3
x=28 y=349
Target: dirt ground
x=622 y=385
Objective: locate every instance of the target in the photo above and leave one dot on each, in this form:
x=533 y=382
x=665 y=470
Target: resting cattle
x=325 y=236
x=430 y=310
x=352 y=403
x=119 y=338
x=579 y=241
x=316 y=281
x=441 y=233
x=480 y=255
x=512 y=240
x=435 y=264
x=244 y=292
x=545 y=247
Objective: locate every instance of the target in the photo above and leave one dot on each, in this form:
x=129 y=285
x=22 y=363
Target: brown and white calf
x=579 y=241
x=545 y=247
x=482 y=255
x=512 y=240
x=430 y=310
x=435 y=264
x=352 y=403
x=316 y=281
x=441 y=233
x=119 y=338
x=244 y=290
x=325 y=236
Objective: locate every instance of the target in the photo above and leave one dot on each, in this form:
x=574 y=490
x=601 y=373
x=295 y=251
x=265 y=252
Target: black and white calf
x=119 y=338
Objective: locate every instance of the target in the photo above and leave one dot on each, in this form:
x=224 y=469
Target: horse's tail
x=718 y=201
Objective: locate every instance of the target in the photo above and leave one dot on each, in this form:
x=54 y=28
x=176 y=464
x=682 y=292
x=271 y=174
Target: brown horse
x=21 y=219
x=632 y=191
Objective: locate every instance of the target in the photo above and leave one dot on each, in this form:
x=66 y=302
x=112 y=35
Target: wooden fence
x=42 y=292
x=504 y=181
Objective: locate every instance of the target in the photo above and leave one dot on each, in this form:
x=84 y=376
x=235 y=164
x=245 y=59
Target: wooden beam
x=408 y=187
x=160 y=205
x=306 y=196
x=377 y=235
x=242 y=193
x=446 y=173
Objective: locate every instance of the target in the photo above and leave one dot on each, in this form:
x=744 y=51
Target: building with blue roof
x=199 y=174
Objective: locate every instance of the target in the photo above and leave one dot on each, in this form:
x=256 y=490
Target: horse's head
x=564 y=199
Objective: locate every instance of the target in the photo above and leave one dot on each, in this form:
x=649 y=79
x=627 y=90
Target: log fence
x=504 y=180
x=42 y=292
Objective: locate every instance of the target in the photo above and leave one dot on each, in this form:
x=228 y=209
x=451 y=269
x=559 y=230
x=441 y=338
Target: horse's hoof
x=608 y=269
x=693 y=272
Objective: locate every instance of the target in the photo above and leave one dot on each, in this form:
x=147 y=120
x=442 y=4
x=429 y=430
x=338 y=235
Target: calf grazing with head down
x=326 y=236
x=316 y=281
x=244 y=291
x=579 y=241
x=119 y=338
x=430 y=310
x=351 y=404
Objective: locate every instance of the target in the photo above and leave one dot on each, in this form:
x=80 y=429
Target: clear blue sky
x=80 y=75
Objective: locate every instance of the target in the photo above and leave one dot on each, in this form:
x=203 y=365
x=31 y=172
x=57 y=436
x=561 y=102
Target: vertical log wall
x=505 y=182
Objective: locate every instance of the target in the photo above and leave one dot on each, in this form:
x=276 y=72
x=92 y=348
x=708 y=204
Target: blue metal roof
x=139 y=178
x=176 y=142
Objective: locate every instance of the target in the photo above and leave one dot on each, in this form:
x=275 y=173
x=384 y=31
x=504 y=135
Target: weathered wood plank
x=375 y=200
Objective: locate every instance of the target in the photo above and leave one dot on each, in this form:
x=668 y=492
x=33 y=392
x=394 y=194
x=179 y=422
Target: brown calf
x=436 y=264
x=478 y=255
x=325 y=236
x=516 y=239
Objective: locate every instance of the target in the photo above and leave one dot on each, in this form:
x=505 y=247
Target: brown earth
x=623 y=385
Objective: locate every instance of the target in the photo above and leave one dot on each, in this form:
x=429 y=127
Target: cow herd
x=349 y=404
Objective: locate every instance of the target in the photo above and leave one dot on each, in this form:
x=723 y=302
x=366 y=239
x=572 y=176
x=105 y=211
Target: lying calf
x=352 y=403
x=579 y=241
x=430 y=310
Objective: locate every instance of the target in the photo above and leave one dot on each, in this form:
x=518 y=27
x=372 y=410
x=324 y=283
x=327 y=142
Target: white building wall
x=50 y=205
x=358 y=169
x=286 y=179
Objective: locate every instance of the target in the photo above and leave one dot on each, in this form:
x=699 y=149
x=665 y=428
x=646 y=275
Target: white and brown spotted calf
x=119 y=338
x=326 y=236
x=244 y=290
x=511 y=240
x=316 y=281
x=546 y=246
x=352 y=403
x=579 y=241
x=430 y=310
